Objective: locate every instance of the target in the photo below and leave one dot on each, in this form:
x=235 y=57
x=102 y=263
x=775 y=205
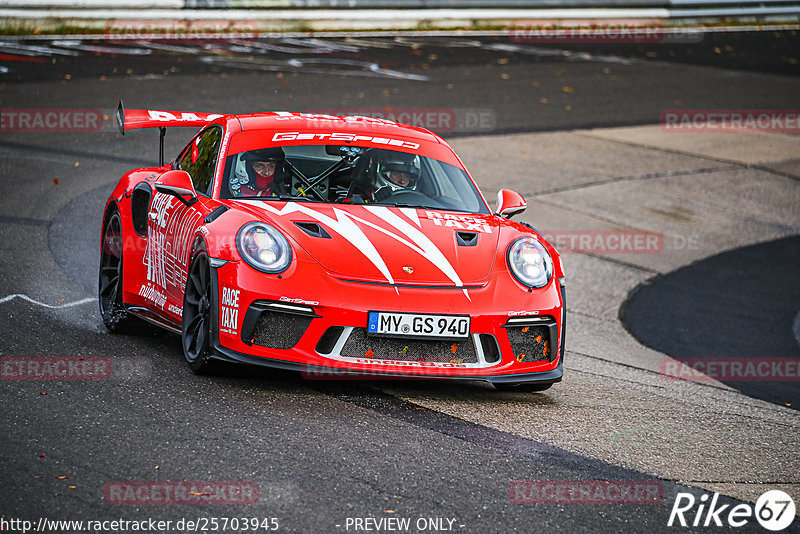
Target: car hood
x=382 y=244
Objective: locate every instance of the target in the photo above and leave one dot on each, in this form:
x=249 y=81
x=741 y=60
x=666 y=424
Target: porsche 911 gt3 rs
x=336 y=246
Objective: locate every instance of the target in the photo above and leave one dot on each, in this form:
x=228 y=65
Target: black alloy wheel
x=196 y=320
x=113 y=312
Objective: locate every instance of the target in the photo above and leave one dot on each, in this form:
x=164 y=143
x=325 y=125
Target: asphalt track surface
x=738 y=290
x=321 y=453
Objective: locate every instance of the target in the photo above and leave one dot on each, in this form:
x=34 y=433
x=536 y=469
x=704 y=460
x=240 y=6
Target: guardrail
x=435 y=11
x=381 y=4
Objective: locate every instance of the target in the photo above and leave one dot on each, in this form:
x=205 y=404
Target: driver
x=264 y=173
x=393 y=172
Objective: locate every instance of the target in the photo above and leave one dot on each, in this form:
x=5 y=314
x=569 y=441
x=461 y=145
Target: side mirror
x=178 y=184
x=510 y=203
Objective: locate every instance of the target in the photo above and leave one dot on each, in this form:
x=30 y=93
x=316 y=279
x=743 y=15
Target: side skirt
x=153 y=318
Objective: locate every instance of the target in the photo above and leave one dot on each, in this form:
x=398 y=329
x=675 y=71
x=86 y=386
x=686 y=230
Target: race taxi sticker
x=460 y=222
x=229 y=310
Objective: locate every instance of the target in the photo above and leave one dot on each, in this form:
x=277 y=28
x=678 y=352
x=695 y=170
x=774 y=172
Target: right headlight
x=530 y=263
x=263 y=247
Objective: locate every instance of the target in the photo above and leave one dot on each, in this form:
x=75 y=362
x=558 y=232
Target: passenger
x=265 y=174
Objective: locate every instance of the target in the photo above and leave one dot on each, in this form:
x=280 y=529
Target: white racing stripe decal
x=389 y=233
x=344 y=224
x=345 y=227
x=428 y=250
x=411 y=213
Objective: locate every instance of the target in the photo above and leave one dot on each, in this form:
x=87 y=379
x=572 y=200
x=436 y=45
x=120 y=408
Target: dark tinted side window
x=200 y=159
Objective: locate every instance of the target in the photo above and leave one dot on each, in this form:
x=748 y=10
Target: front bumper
x=521 y=340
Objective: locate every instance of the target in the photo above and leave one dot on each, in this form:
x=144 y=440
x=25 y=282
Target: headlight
x=263 y=247
x=529 y=262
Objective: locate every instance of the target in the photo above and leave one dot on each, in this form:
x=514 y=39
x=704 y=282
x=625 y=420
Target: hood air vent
x=466 y=239
x=313 y=229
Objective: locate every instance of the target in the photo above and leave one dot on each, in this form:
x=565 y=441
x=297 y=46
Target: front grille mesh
x=360 y=345
x=276 y=330
x=531 y=343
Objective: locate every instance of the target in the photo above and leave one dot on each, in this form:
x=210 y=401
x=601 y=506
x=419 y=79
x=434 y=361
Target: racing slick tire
x=196 y=320
x=522 y=387
x=115 y=317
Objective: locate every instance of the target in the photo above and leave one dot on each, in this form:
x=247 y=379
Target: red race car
x=337 y=246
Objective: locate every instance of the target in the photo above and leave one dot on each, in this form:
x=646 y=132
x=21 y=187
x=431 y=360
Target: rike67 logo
x=774 y=511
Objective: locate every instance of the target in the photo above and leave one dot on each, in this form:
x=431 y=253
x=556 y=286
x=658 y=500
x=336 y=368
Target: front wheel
x=196 y=319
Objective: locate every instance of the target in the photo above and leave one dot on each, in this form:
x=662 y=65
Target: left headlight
x=530 y=262
x=263 y=247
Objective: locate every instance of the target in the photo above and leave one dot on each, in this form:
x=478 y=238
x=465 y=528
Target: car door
x=172 y=224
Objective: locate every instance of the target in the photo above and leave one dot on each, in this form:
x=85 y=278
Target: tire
x=522 y=387
x=109 y=290
x=196 y=320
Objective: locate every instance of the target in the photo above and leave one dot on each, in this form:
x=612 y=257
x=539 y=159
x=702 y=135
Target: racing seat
x=361 y=182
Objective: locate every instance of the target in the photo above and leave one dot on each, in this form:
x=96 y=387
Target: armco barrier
x=359 y=14
x=457 y=4
x=677 y=8
x=683 y=5
x=419 y=4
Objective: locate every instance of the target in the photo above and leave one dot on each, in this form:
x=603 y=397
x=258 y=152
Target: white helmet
x=396 y=170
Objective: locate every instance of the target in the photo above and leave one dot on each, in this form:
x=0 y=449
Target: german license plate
x=418 y=325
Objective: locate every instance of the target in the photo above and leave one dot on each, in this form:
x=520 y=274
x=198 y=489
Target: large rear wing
x=133 y=119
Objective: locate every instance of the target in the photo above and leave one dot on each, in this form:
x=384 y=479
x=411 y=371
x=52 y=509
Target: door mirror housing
x=510 y=203
x=178 y=184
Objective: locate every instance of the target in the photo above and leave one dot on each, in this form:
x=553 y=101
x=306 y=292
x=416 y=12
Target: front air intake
x=327 y=342
x=275 y=325
x=532 y=338
x=279 y=330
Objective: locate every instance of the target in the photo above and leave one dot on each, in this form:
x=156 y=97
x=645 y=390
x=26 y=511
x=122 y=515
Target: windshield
x=349 y=174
